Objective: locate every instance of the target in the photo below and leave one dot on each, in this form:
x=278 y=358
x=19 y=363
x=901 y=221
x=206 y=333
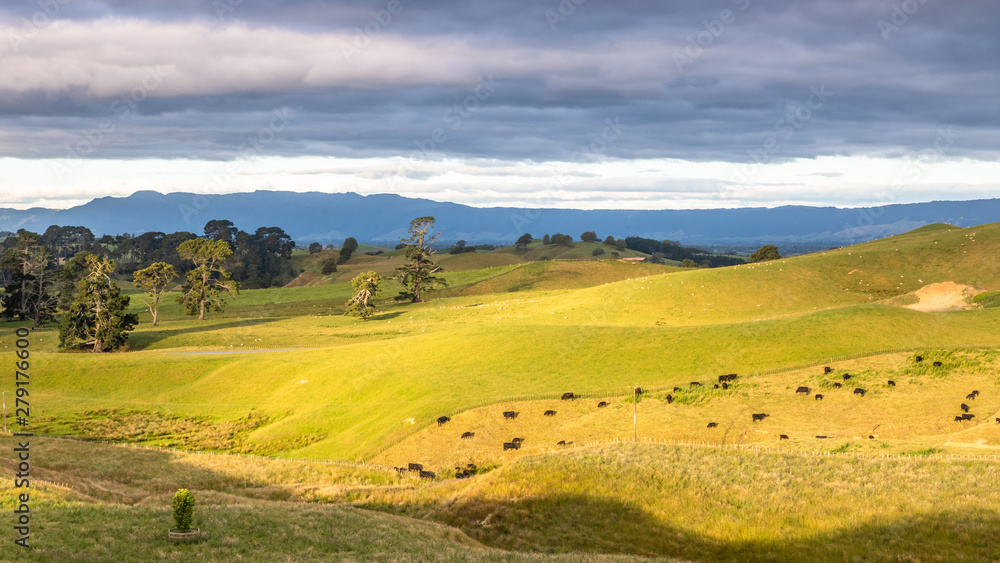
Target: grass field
x=283 y=372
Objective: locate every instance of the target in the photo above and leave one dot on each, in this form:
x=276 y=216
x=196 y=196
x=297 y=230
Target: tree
x=366 y=289
x=524 y=241
x=28 y=296
x=589 y=236
x=688 y=263
x=546 y=240
x=154 y=280
x=765 y=253
x=97 y=317
x=315 y=248
x=347 y=249
x=561 y=239
x=221 y=229
x=610 y=241
x=204 y=282
x=417 y=274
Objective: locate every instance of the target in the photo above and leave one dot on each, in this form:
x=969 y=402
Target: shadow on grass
x=589 y=524
x=145 y=339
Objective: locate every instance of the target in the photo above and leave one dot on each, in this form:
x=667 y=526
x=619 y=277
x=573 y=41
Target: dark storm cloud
x=693 y=80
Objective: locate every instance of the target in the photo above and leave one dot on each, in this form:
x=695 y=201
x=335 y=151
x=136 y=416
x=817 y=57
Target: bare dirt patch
x=944 y=296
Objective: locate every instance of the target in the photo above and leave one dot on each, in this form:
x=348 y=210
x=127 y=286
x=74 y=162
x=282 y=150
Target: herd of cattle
x=724 y=383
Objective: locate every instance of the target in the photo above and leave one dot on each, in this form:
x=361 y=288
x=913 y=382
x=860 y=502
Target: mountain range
x=383 y=218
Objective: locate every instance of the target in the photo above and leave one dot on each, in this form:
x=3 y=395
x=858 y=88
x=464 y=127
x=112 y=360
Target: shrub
x=987 y=299
x=597 y=252
x=329 y=267
x=183 y=510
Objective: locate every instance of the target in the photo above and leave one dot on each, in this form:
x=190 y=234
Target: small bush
x=183 y=510
x=597 y=252
x=988 y=299
x=329 y=267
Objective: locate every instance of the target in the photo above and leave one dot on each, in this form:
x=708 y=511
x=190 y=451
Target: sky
x=569 y=103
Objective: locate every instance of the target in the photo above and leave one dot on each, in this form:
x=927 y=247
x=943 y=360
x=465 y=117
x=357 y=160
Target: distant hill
x=329 y=218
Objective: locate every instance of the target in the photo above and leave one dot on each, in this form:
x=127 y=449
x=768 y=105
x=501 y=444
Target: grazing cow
x=695 y=384
x=427 y=475
x=870 y=437
x=759 y=416
x=461 y=474
x=892 y=383
x=400 y=469
x=805 y=390
x=846 y=376
x=827 y=369
x=971 y=396
x=509 y=446
x=859 y=391
x=821 y=437
x=723 y=378
x=837 y=385
x=509 y=415
x=965 y=407
x=602 y=404
x=959 y=419
x=998 y=421
x=550 y=413
x=442 y=420
x=716 y=386
x=468 y=435
x=471 y=467
x=975 y=392
x=670 y=399
x=676 y=389
x=968 y=416
x=561 y=443
x=938 y=364
x=782 y=437
x=919 y=359
x=819 y=397
x=516 y=440
x=415 y=467
x=724 y=386
x=638 y=390
x=568 y=396
x=713 y=424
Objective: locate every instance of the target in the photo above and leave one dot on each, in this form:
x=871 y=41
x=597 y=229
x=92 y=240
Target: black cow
x=959 y=419
x=676 y=389
x=427 y=475
x=805 y=390
x=561 y=443
x=870 y=437
x=550 y=413
x=509 y=446
x=602 y=404
x=400 y=469
x=976 y=392
x=968 y=416
x=415 y=467
x=725 y=386
x=670 y=399
x=695 y=384
x=442 y=420
x=782 y=437
x=723 y=378
x=971 y=396
x=759 y=416
x=509 y=415
x=837 y=385
x=892 y=383
x=827 y=369
x=821 y=437
x=938 y=364
x=819 y=397
x=919 y=359
x=713 y=424
x=471 y=467
x=517 y=440
x=468 y=435
x=716 y=386
x=461 y=474
x=859 y=391
x=965 y=407
x=846 y=376
x=998 y=421
x=568 y=396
